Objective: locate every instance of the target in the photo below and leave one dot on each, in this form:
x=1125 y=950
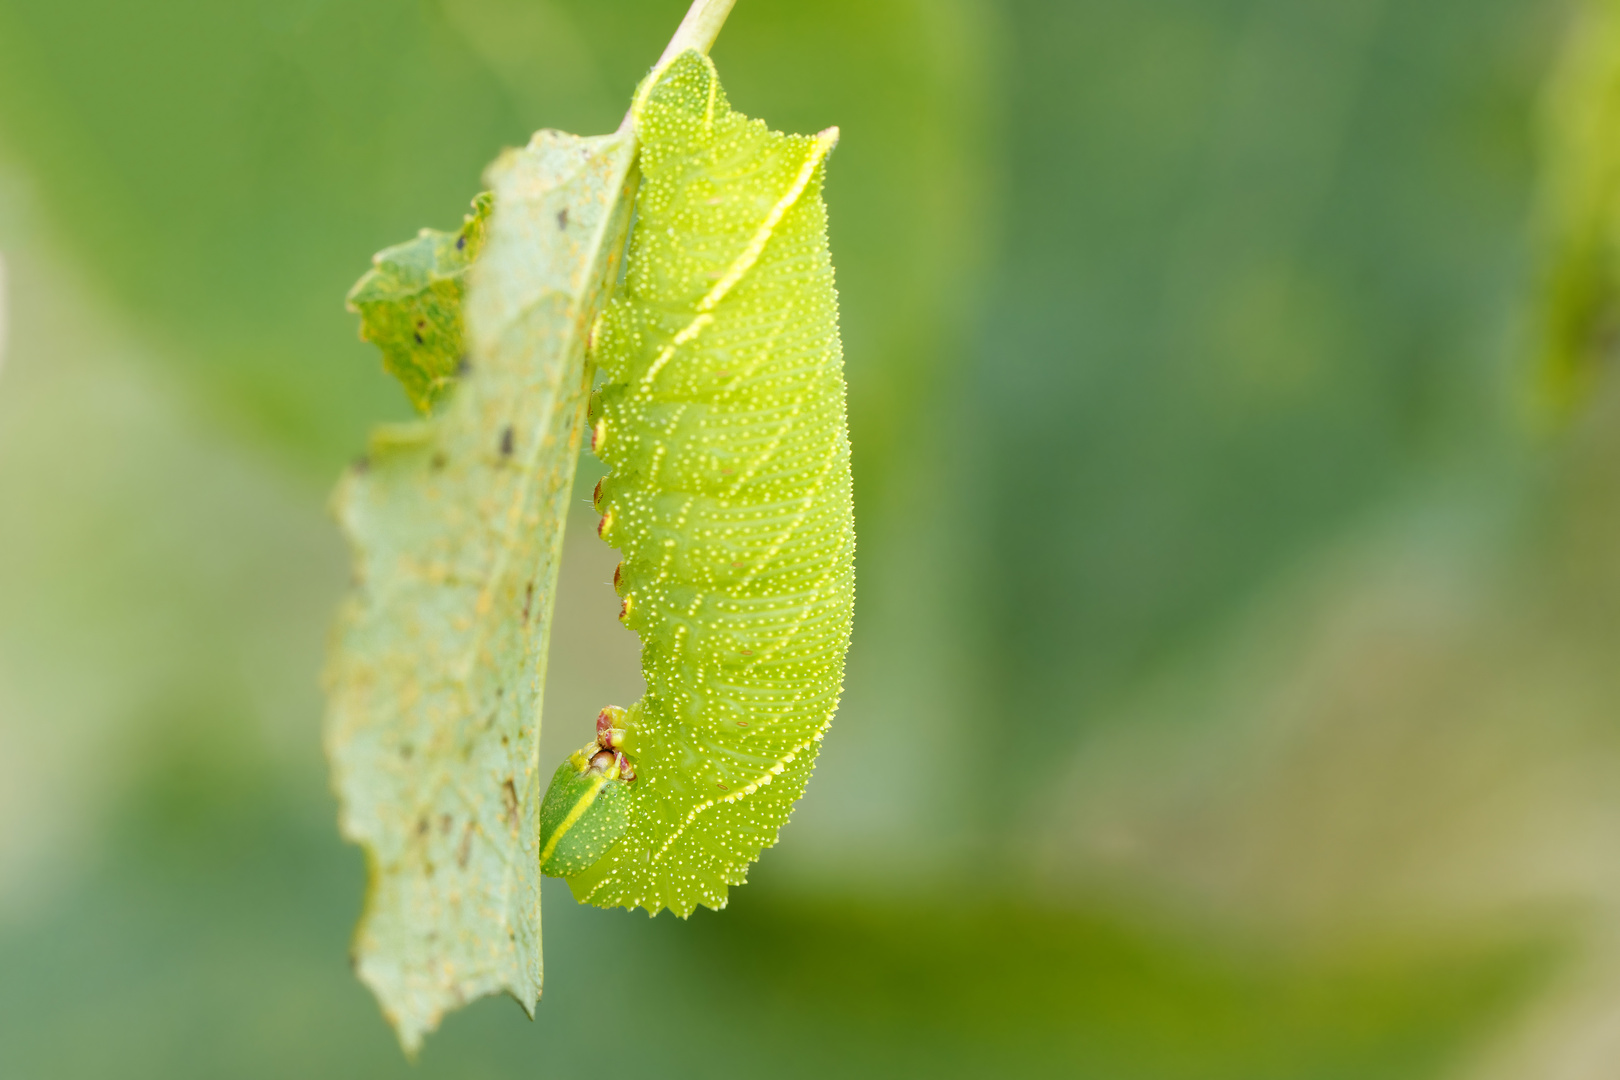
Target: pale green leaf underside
x=456 y=525
x=723 y=421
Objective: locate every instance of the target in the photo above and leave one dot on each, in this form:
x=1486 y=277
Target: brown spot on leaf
x=509 y=797
x=506 y=441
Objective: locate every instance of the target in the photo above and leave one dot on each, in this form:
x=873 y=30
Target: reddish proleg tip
x=596 y=494
x=608 y=735
x=618 y=578
x=624 y=609
x=626 y=773
x=605 y=524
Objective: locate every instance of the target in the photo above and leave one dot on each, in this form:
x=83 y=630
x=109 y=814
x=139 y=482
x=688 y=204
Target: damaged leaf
x=410 y=303
x=456 y=525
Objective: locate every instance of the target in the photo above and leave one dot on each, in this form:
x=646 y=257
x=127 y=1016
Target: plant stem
x=699 y=29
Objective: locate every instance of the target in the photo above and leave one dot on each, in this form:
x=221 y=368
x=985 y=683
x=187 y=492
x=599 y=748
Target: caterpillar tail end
x=587 y=805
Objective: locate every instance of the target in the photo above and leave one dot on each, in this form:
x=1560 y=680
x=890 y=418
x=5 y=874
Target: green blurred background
x=1236 y=680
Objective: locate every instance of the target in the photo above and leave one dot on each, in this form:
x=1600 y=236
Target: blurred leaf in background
x=1231 y=687
x=1277 y=254
x=1580 y=202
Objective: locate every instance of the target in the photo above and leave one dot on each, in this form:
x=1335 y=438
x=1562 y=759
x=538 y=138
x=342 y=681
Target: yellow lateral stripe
x=762 y=236
x=572 y=819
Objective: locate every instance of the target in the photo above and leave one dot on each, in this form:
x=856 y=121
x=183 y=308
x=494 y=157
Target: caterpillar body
x=722 y=418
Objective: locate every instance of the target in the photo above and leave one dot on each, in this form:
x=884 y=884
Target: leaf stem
x=699 y=29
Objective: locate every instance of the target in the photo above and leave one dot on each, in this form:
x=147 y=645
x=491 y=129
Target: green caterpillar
x=723 y=421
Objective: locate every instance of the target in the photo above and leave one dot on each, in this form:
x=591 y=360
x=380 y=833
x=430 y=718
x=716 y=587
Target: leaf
x=456 y=524
x=1580 y=193
x=409 y=305
x=723 y=421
